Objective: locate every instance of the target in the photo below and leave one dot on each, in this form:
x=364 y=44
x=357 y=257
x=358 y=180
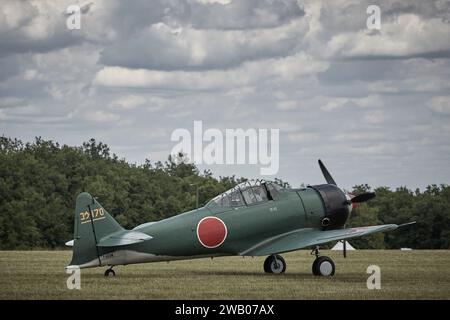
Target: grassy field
x=404 y=275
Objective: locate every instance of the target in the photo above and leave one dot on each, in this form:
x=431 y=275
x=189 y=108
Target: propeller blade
x=345 y=249
x=326 y=174
x=363 y=197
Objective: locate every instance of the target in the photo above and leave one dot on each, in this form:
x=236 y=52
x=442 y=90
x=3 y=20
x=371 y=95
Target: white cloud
x=350 y=137
x=30 y=74
x=286 y=105
x=368 y=101
x=8 y=102
x=101 y=116
x=375 y=117
x=222 y=2
x=335 y=104
x=129 y=101
x=298 y=137
x=328 y=104
x=440 y=104
x=15 y=14
x=376 y=149
x=405 y=35
x=284 y=69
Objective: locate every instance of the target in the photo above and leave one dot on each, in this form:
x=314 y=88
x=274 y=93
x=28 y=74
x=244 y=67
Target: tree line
x=40 y=180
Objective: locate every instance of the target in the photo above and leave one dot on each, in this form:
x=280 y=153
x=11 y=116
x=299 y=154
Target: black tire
x=110 y=273
x=323 y=266
x=266 y=265
x=315 y=270
x=274 y=264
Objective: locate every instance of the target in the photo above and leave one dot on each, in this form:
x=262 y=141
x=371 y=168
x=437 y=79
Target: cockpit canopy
x=247 y=193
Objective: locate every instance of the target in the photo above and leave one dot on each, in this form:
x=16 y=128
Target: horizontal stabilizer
x=123 y=238
x=70 y=243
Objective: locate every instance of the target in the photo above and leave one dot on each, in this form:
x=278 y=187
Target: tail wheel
x=323 y=266
x=274 y=264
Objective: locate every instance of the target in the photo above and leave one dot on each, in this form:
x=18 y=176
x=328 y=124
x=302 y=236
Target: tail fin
x=92 y=223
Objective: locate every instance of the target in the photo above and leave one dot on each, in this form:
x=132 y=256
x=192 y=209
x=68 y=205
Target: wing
x=307 y=237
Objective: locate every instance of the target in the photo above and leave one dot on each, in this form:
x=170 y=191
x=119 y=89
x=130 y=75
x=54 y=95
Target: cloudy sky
x=374 y=105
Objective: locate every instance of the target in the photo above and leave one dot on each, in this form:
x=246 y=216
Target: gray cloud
x=408 y=30
x=247 y=14
x=195 y=35
x=9 y=67
x=161 y=47
x=374 y=106
x=29 y=27
x=231 y=15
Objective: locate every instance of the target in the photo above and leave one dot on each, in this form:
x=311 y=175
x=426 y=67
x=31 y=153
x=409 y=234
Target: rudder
x=92 y=223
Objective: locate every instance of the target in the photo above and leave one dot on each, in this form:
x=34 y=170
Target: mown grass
x=404 y=275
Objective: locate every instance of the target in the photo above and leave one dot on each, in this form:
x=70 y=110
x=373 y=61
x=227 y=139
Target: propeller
x=326 y=174
x=362 y=197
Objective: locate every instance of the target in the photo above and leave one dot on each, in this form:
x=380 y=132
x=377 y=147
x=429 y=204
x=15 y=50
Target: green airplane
x=255 y=218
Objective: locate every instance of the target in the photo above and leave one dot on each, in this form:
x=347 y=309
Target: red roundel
x=211 y=232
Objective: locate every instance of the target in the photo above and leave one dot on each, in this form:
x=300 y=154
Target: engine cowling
x=337 y=206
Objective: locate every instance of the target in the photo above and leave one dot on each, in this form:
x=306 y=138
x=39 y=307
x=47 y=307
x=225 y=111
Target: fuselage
x=238 y=227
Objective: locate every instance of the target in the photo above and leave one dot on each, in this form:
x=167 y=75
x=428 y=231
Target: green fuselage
x=246 y=225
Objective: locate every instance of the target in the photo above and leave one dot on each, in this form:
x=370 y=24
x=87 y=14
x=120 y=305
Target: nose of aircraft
x=337 y=206
x=338 y=203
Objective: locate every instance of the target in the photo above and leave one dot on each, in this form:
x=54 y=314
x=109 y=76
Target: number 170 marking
x=97 y=214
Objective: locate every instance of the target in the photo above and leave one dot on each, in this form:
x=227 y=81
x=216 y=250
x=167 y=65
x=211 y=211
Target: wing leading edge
x=307 y=237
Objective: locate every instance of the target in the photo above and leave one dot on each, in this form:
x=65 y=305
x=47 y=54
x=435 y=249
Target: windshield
x=247 y=193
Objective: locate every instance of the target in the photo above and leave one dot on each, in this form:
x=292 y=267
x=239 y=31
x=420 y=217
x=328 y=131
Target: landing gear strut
x=322 y=265
x=274 y=264
x=110 y=272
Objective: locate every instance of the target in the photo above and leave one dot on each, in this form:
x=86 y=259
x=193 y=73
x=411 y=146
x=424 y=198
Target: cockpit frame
x=247 y=193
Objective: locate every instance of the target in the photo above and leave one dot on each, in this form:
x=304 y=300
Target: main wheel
x=274 y=264
x=110 y=273
x=323 y=266
x=315 y=270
